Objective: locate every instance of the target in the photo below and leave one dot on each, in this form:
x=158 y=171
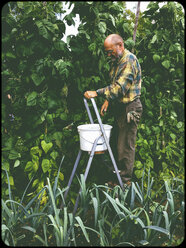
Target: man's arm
x=124 y=79
x=104 y=107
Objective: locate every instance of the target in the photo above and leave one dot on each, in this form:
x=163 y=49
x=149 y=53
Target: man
x=124 y=91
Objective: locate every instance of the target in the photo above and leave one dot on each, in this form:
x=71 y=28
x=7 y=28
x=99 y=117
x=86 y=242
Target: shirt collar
x=123 y=56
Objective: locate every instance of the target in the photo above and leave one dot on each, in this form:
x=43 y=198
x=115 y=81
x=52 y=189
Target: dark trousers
x=126 y=136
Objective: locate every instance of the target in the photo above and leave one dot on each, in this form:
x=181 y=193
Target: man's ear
x=120 y=44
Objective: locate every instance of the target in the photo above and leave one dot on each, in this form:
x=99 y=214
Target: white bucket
x=88 y=134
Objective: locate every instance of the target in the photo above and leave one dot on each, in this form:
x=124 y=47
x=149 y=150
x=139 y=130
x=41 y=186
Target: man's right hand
x=104 y=107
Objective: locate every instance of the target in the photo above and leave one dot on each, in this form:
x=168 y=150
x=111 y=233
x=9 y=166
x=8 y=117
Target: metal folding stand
x=92 y=153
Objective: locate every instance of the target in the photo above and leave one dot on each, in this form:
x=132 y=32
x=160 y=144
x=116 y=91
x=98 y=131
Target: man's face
x=114 y=52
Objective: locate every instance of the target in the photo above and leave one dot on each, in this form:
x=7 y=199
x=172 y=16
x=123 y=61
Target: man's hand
x=104 y=107
x=90 y=94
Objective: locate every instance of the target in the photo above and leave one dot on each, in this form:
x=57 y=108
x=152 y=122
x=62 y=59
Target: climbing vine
x=43 y=80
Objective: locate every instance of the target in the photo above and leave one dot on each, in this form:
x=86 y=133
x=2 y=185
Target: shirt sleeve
x=121 y=84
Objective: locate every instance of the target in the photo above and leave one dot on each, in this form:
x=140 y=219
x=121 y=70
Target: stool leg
x=107 y=143
x=86 y=171
x=72 y=174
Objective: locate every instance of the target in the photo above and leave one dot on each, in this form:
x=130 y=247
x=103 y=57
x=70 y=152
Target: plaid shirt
x=125 y=80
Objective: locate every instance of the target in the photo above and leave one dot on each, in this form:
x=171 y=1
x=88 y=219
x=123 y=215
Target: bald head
x=114 y=47
x=113 y=39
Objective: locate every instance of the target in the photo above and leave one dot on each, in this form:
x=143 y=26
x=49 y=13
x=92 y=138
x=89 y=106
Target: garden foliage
x=106 y=217
x=43 y=80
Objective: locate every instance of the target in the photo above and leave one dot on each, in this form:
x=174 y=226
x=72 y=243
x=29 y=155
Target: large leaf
x=37 y=78
x=42 y=29
x=46 y=146
x=102 y=27
x=166 y=64
x=31 y=99
x=45 y=165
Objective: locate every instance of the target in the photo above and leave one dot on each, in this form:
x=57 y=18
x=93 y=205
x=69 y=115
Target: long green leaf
x=113 y=202
x=132 y=196
x=54 y=224
x=36 y=197
x=61 y=230
x=41 y=240
x=45 y=233
x=103 y=237
x=65 y=221
x=169 y=197
x=123 y=207
x=167 y=224
x=125 y=244
x=6 y=209
x=56 y=178
x=138 y=192
x=95 y=204
x=159 y=229
x=4 y=228
x=53 y=202
x=71 y=218
x=10 y=193
x=26 y=189
x=29 y=228
x=82 y=228
x=20 y=205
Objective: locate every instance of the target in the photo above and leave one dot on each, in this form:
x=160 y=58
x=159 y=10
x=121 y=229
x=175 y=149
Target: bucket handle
x=92 y=142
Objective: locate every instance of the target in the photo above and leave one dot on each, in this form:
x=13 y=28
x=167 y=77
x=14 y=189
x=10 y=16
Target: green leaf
x=11 y=180
x=35 y=160
x=59 y=45
x=46 y=146
x=42 y=29
x=61 y=176
x=31 y=98
x=179 y=124
x=29 y=228
x=159 y=229
x=82 y=228
x=45 y=165
x=63 y=116
x=5 y=166
x=130 y=43
x=54 y=155
x=154 y=38
x=17 y=163
x=113 y=20
x=34 y=150
x=14 y=154
x=37 y=78
x=29 y=166
x=156 y=58
x=10 y=55
x=166 y=64
x=161 y=123
x=95 y=204
x=138 y=173
x=20 y=5
x=138 y=164
x=102 y=27
x=173 y=136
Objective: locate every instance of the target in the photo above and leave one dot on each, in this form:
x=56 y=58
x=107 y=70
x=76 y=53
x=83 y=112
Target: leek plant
x=135 y=216
x=105 y=216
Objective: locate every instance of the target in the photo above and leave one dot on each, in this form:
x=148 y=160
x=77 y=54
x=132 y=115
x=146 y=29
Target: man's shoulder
x=128 y=56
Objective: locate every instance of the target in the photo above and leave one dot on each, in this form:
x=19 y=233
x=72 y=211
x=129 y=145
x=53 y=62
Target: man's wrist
x=98 y=92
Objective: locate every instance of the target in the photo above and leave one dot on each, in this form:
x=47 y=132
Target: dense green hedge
x=43 y=80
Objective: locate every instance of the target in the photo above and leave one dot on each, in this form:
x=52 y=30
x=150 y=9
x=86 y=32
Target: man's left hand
x=90 y=94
